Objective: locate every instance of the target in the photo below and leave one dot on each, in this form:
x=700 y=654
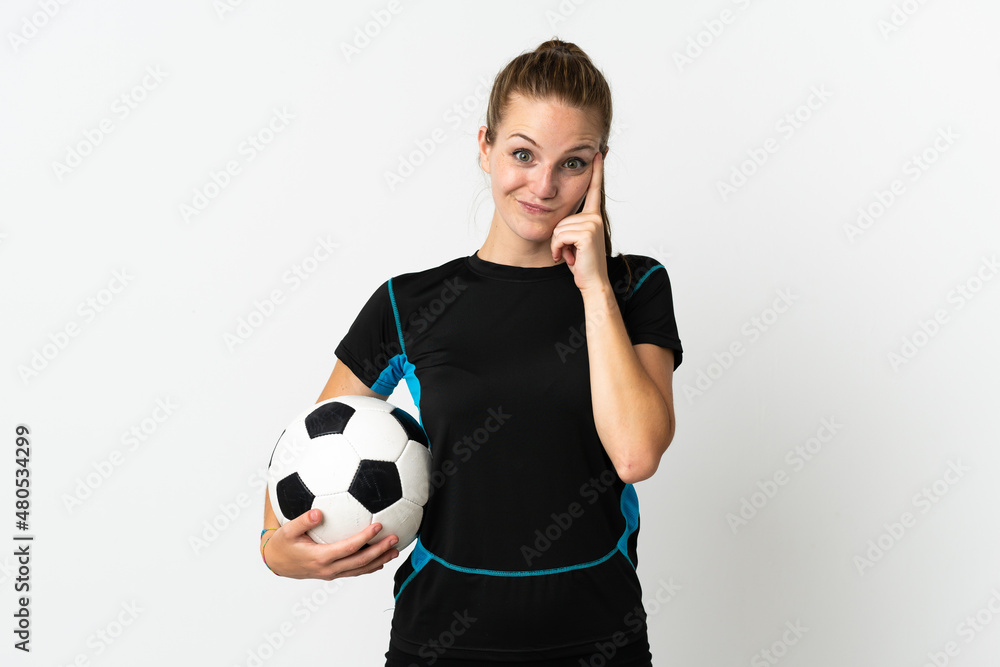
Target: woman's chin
x=535 y=231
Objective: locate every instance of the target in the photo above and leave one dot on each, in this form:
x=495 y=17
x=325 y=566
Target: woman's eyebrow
x=570 y=150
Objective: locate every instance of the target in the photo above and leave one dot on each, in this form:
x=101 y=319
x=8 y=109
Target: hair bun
x=559 y=46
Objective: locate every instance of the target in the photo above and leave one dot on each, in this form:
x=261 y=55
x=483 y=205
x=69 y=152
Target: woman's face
x=543 y=155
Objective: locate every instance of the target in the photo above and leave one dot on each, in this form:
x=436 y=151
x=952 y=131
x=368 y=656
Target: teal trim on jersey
x=414 y=384
x=400 y=368
x=390 y=376
x=630 y=510
x=521 y=573
x=395 y=313
x=421 y=556
x=641 y=280
x=418 y=558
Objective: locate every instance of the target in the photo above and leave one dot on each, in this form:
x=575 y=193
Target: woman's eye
x=580 y=164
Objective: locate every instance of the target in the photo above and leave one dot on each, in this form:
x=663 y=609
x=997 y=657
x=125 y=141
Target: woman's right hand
x=290 y=552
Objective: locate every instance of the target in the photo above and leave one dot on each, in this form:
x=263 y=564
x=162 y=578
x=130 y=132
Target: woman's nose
x=543 y=182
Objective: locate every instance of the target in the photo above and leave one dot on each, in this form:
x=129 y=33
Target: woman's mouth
x=536 y=210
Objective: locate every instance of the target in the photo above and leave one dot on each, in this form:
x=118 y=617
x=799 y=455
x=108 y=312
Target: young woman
x=541 y=368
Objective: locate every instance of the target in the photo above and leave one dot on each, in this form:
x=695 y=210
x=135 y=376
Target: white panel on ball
x=414 y=472
x=375 y=435
x=405 y=516
x=347 y=518
x=328 y=464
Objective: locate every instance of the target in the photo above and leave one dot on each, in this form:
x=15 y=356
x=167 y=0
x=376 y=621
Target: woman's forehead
x=550 y=124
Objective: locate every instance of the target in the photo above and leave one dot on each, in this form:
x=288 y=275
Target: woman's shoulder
x=441 y=274
x=636 y=259
x=448 y=266
x=626 y=271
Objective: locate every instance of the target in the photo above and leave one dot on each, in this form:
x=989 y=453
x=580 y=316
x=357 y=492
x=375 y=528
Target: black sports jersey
x=527 y=548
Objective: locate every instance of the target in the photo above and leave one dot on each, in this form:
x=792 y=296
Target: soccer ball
x=358 y=459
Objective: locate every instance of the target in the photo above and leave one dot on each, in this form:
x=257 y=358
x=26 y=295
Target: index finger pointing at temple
x=593 y=202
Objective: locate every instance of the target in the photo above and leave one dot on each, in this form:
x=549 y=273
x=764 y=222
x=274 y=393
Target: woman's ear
x=484 y=150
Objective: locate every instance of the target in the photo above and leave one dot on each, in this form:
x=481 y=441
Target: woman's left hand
x=579 y=238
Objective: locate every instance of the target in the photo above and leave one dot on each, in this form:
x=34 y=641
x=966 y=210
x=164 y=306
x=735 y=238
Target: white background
x=895 y=77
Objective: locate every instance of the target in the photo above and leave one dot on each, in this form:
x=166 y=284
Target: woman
x=541 y=369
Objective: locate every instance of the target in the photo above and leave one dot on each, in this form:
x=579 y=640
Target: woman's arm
x=631 y=388
x=630 y=385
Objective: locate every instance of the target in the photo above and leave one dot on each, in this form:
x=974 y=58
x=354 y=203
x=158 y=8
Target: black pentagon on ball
x=328 y=419
x=376 y=485
x=294 y=497
x=411 y=426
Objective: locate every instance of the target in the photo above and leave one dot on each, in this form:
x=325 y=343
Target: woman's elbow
x=639 y=469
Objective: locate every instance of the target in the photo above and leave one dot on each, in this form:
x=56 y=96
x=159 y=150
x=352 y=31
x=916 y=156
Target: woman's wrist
x=266 y=535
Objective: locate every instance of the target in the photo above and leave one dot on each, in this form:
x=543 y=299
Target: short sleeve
x=371 y=348
x=649 y=307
